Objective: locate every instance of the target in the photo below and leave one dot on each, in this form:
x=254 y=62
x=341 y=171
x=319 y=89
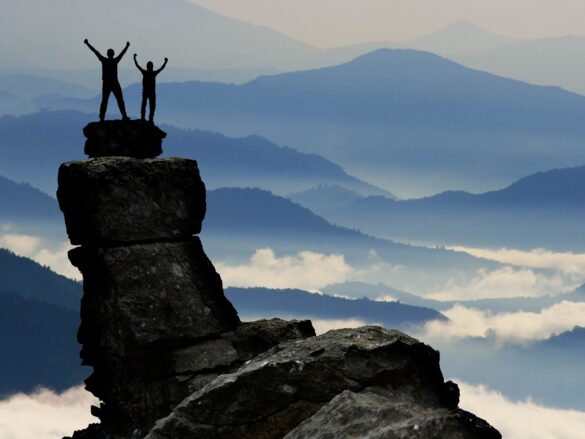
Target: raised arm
x=93 y=49
x=137 y=65
x=123 y=52
x=162 y=67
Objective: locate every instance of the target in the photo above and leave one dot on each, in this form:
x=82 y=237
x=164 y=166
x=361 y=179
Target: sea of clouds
x=48 y=415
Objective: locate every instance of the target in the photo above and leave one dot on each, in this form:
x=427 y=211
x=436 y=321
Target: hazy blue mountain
x=549 y=372
x=214 y=42
x=240 y=221
x=29 y=280
x=546 y=209
x=22 y=201
x=25 y=210
x=33 y=146
x=516 y=304
x=556 y=61
x=572 y=340
x=256 y=162
x=411 y=122
x=256 y=302
x=88 y=78
x=326 y=197
x=459 y=38
x=11 y=103
x=193 y=36
x=31 y=86
x=26 y=93
x=38 y=345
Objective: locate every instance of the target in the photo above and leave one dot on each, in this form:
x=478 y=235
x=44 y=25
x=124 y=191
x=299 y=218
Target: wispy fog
x=566 y=262
x=533 y=273
x=53 y=255
x=45 y=414
x=505 y=328
x=523 y=419
x=306 y=270
x=506 y=282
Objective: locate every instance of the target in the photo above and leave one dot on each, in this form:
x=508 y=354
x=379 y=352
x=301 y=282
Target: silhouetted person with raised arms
x=149 y=87
x=110 y=79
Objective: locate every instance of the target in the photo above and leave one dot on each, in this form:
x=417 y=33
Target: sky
x=331 y=23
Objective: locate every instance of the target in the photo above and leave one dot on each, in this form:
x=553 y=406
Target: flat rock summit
x=171 y=358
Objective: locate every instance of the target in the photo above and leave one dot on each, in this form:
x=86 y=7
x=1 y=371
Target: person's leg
x=106 y=90
x=120 y=99
x=152 y=107
x=143 y=106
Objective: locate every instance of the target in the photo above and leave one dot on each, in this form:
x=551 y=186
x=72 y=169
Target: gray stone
x=195 y=366
x=384 y=413
x=274 y=392
x=146 y=296
x=133 y=138
x=108 y=201
x=138 y=390
x=243 y=344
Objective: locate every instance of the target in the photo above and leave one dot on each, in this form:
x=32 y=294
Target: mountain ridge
x=401 y=118
x=33 y=146
x=540 y=210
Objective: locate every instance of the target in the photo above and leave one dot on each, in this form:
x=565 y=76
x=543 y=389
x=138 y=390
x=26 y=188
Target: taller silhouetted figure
x=110 y=79
x=149 y=87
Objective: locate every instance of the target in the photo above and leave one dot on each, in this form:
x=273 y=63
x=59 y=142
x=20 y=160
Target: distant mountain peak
x=458 y=38
x=464 y=25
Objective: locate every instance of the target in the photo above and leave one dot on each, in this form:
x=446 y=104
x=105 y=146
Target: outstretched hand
x=85 y=41
x=166 y=59
x=135 y=56
x=127 y=43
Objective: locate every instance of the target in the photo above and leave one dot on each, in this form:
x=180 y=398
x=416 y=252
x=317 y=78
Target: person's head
x=149 y=65
x=110 y=53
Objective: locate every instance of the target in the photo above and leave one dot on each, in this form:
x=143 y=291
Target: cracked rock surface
x=272 y=394
x=171 y=358
x=117 y=200
x=384 y=413
x=131 y=138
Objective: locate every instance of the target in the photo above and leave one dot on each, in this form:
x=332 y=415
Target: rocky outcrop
x=135 y=138
x=116 y=200
x=386 y=413
x=170 y=357
x=272 y=394
x=155 y=324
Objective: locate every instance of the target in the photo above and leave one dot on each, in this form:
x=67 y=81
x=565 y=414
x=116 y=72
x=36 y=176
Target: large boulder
x=195 y=366
x=138 y=390
x=272 y=394
x=115 y=200
x=131 y=138
x=145 y=296
x=385 y=413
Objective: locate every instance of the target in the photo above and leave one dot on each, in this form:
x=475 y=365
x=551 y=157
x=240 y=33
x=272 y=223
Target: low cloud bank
x=37 y=249
x=45 y=414
x=523 y=275
x=521 y=420
x=506 y=328
x=307 y=270
x=566 y=262
x=507 y=282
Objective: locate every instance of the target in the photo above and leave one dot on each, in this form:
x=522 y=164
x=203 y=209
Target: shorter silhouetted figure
x=110 y=79
x=149 y=87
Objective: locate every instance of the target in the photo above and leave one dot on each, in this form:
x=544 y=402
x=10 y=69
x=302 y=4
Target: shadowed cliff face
x=155 y=324
x=171 y=358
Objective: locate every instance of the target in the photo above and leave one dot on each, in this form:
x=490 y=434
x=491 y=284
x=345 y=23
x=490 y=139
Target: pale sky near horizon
x=330 y=23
